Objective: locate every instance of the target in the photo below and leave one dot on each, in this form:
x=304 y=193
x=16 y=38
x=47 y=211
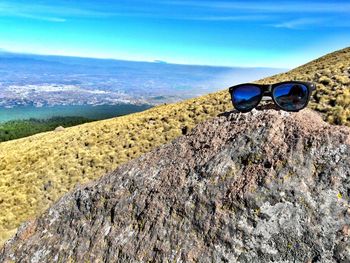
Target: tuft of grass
x=36 y=171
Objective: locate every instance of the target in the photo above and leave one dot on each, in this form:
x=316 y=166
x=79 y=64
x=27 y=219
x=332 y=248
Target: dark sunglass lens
x=291 y=96
x=245 y=98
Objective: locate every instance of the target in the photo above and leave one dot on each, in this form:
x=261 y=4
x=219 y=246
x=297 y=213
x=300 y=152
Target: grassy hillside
x=37 y=170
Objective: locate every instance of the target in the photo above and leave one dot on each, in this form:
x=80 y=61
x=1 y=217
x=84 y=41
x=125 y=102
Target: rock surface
x=59 y=129
x=257 y=187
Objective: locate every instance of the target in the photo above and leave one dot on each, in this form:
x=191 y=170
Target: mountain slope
x=37 y=170
x=331 y=73
x=263 y=186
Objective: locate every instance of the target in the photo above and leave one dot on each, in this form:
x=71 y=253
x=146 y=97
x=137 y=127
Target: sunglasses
x=288 y=95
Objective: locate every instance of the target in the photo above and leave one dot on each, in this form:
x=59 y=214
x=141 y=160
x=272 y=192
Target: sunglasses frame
x=267 y=90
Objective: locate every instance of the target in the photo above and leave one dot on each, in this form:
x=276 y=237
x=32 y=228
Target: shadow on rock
x=262 y=107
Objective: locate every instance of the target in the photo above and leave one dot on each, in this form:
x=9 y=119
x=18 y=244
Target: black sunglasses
x=288 y=95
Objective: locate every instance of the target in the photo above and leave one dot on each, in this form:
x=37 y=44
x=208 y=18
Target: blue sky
x=233 y=33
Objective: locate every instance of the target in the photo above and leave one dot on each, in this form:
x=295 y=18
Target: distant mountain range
x=56 y=80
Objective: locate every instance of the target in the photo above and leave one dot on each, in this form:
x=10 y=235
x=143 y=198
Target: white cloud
x=298 y=23
x=225 y=18
x=51 y=13
x=306 y=23
x=39 y=17
x=269 y=7
x=195 y=10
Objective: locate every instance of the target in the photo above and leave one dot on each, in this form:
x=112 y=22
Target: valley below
x=46 y=81
x=91 y=112
x=85 y=89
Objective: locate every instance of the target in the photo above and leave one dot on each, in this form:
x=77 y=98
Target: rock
x=264 y=186
x=59 y=129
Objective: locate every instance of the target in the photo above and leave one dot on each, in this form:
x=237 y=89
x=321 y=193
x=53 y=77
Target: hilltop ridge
x=258 y=187
x=36 y=171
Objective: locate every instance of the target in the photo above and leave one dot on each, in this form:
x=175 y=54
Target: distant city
x=46 y=81
x=40 y=95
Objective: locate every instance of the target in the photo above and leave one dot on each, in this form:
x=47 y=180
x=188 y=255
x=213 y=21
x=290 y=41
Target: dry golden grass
x=36 y=171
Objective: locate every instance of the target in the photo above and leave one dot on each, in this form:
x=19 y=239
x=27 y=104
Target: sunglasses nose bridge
x=267 y=94
x=267 y=90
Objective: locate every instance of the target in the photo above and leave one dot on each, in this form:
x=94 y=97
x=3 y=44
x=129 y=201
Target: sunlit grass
x=36 y=171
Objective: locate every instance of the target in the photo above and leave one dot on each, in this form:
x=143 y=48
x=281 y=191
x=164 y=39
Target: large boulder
x=257 y=187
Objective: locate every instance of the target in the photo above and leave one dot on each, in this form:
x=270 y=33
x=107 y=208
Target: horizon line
x=155 y=61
